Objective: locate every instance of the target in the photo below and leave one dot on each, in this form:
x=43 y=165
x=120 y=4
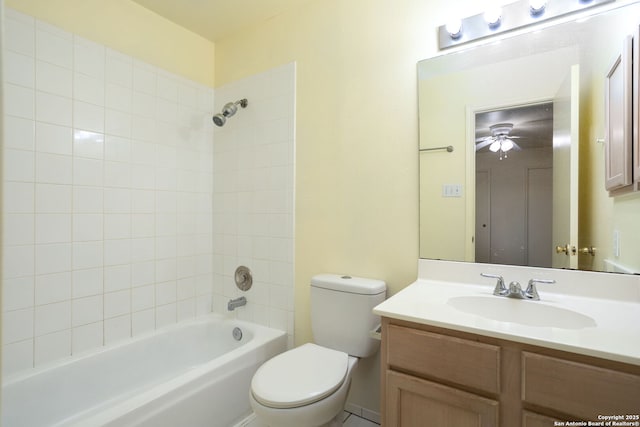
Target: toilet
x=308 y=385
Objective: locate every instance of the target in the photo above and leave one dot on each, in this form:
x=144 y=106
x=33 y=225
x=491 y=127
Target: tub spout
x=236 y=302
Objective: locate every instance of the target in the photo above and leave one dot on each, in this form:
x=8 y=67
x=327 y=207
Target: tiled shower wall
x=253 y=197
x=108 y=196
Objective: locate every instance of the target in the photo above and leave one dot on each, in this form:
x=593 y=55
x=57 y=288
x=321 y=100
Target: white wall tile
x=117 y=226
x=17 y=325
x=17 y=293
x=166 y=315
x=87 y=255
x=54 y=45
x=52 y=288
x=117 y=123
x=117 y=329
x=88 y=199
x=87 y=337
x=88 y=227
x=143 y=273
x=19 y=101
x=53 y=109
x=52 y=198
x=117 y=303
x=143 y=298
x=88 y=172
x=87 y=282
x=54 y=79
x=18 y=261
x=53 y=168
x=88 y=89
x=117 y=252
x=89 y=58
x=17 y=357
x=19 y=133
x=19 y=165
x=144 y=78
x=117 y=149
x=107 y=195
x=19 y=69
x=119 y=68
x=53 y=258
x=20 y=36
x=117 y=278
x=118 y=97
x=142 y=322
x=52 y=317
x=52 y=346
x=88 y=117
x=86 y=310
x=52 y=228
x=53 y=139
x=88 y=144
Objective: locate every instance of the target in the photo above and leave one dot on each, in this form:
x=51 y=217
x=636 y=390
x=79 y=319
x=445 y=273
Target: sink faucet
x=235 y=303
x=514 y=290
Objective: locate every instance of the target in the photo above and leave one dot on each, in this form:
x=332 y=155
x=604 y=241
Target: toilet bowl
x=308 y=385
x=303 y=387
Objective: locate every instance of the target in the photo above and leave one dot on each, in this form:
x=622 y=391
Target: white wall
x=253 y=197
x=108 y=195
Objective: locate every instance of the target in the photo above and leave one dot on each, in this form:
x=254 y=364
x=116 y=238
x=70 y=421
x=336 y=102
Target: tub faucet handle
x=500 y=288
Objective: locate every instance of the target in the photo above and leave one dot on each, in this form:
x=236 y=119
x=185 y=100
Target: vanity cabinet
x=439 y=377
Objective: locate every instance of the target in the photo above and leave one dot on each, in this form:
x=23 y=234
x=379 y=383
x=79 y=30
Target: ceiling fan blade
x=516 y=147
x=486 y=142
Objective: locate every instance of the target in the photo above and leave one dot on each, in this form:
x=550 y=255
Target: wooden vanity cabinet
x=443 y=378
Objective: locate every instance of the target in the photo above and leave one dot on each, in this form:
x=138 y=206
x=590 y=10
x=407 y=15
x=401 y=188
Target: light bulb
x=454 y=28
x=493 y=16
x=507 y=145
x=495 y=146
x=537 y=7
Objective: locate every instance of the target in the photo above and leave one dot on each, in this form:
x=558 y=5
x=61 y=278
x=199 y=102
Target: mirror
x=463 y=94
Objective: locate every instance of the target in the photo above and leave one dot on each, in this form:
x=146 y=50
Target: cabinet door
x=618 y=121
x=413 y=402
x=529 y=419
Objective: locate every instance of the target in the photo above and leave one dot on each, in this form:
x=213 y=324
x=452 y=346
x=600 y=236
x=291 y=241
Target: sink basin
x=530 y=313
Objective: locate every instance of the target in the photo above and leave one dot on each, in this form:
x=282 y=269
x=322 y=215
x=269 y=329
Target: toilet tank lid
x=350 y=284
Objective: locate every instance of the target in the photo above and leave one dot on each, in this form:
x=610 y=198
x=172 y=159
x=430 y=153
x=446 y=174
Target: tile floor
x=350 y=420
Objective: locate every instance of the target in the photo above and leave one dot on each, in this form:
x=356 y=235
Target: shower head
x=229 y=110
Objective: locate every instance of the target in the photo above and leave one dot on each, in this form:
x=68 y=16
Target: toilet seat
x=299 y=377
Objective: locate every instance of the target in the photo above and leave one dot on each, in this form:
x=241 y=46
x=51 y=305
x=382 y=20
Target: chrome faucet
x=236 y=302
x=514 y=290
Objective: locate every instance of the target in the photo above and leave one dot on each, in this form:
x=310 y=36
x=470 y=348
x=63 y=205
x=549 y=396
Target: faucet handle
x=500 y=288
x=532 y=292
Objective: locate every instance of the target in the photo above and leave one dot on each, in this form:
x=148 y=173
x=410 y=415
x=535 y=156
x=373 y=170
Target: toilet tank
x=341 y=312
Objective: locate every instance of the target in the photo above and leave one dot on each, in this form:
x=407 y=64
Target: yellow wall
x=131 y=29
x=356 y=131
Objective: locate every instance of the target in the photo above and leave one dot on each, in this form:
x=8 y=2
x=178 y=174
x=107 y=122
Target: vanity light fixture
x=509 y=17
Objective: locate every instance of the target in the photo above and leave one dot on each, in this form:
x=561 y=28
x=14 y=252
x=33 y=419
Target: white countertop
x=599 y=327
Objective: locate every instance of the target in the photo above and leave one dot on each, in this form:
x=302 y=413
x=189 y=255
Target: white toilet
x=308 y=385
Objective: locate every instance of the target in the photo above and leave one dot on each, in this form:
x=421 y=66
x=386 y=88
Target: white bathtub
x=191 y=374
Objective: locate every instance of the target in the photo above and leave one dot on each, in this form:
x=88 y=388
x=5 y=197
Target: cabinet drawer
x=578 y=389
x=446 y=358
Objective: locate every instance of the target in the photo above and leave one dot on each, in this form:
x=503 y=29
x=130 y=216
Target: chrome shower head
x=219 y=120
x=229 y=110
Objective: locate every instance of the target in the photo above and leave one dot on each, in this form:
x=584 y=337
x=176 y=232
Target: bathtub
x=191 y=374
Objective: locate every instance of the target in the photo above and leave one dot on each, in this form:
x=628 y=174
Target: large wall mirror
x=524 y=184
